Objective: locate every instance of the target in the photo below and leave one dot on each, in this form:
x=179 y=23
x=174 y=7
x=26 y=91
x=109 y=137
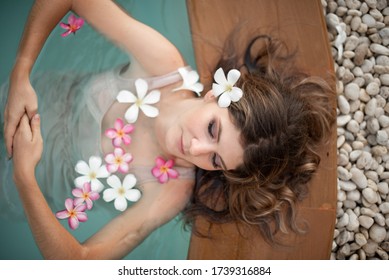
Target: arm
x=158 y=205
x=154 y=53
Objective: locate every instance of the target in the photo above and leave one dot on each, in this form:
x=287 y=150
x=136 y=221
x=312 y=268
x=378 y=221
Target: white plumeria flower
x=141 y=101
x=225 y=87
x=91 y=173
x=190 y=81
x=121 y=192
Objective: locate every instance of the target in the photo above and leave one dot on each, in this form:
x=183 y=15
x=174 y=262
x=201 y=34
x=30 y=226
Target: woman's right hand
x=22 y=100
x=28 y=148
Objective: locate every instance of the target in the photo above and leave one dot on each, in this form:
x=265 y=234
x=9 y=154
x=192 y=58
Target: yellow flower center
x=72 y=213
x=228 y=87
x=120 y=133
x=139 y=102
x=93 y=175
x=118 y=160
x=121 y=191
x=164 y=169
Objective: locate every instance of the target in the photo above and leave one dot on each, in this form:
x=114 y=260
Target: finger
x=31 y=110
x=24 y=127
x=36 y=127
x=11 y=122
x=9 y=132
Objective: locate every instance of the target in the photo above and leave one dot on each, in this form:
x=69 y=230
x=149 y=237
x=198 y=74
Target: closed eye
x=212 y=130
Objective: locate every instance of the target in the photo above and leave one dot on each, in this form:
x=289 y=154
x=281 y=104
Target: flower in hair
x=190 y=81
x=121 y=192
x=118 y=161
x=75 y=213
x=73 y=25
x=120 y=133
x=224 y=87
x=163 y=170
x=141 y=101
x=91 y=173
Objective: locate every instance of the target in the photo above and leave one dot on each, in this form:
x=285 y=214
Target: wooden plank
x=300 y=24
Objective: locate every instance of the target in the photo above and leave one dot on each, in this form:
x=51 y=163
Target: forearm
x=53 y=240
x=43 y=17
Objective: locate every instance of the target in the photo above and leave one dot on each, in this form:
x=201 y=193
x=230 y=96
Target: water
x=89 y=51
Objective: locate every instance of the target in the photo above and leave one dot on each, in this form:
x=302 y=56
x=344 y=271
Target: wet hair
x=283 y=116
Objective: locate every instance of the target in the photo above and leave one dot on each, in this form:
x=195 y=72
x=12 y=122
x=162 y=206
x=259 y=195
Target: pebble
x=377 y=233
x=370 y=195
x=365 y=221
x=351 y=91
x=379 y=49
x=371 y=107
x=343 y=105
x=384 y=208
x=362 y=87
x=358 y=178
x=360 y=239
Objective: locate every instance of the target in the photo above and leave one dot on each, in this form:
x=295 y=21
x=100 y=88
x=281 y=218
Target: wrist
x=24 y=178
x=21 y=69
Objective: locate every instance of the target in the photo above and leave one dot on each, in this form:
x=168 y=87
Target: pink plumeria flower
x=73 y=25
x=85 y=195
x=118 y=161
x=120 y=133
x=74 y=213
x=163 y=170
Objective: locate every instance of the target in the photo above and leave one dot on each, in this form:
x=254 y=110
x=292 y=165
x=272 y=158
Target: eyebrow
x=218 y=141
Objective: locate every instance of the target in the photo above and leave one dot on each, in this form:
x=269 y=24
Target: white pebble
x=351 y=91
x=353 y=126
x=383 y=187
x=358 y=178
x=347 y=185
x=377 y=233
x=360 y=239
x=384 y=208
x=384 y=78
x=353 y=195
x=368 y=212
x=343 y=105
x=379 y=49
x=382 y=137
x=365 y=221
x=370 y=248
x=370 y=195
x=371 y=107
x=373 y=88
x=342 y=120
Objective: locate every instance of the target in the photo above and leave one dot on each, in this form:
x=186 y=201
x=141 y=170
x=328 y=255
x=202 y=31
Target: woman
x=256 y=154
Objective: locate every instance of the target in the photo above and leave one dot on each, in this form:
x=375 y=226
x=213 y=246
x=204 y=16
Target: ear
x=209 y=96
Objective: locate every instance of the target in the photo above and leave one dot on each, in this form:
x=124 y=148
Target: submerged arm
x=155 y=54
x=158 y=205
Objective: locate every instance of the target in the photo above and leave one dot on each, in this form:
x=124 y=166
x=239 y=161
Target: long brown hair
x=283 y=115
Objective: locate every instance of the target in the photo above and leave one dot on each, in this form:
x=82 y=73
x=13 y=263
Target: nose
x=198 y=147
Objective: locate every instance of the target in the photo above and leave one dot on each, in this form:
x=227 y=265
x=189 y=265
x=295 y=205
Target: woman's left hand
x=28 y=147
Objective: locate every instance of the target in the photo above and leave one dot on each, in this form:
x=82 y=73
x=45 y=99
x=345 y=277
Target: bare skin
x=151 y=55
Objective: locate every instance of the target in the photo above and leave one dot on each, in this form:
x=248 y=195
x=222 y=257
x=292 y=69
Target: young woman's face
x=205 y=136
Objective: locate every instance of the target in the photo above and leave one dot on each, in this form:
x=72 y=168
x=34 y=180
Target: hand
x=28 y=147
x=21 y=100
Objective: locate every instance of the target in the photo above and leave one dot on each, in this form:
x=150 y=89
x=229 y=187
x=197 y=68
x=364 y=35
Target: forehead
x=230 y=149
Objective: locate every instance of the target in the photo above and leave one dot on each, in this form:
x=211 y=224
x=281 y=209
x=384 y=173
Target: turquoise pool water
x=88 y=51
